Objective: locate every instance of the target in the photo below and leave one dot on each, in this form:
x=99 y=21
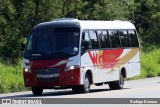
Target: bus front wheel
x=85 y=88
x=37 y=91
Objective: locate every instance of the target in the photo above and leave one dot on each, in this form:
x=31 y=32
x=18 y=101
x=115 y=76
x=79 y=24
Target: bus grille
x=48 y=75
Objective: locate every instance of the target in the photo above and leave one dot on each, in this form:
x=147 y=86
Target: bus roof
x=86 y=24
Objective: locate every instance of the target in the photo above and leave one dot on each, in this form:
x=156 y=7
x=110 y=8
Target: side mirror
x=82 y=50
x=82 y=47
x=22 y=47
x=75 y=49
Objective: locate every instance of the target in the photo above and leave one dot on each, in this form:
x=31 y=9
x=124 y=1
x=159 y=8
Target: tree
x=147 y=20
x=18 y=17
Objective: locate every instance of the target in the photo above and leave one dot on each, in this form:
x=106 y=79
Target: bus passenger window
x=107 y=40
x=94 y=40
x=124 y=38
x=104 y=39
x=86 y=41
x=133 y=38
x=114 y=38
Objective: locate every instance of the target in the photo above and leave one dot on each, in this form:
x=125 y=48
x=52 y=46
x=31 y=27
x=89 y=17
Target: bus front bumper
x=65 y=78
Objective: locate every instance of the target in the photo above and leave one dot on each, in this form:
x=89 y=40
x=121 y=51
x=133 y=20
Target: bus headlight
x=71 y=67
x=27 y=70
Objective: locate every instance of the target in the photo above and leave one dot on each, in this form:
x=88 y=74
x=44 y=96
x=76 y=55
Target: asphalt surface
x=143 y=88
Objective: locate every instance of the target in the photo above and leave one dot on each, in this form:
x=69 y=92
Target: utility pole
x=132 y=16
x=55 y=8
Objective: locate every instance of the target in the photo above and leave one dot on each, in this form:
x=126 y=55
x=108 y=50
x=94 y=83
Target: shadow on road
x=60 y=93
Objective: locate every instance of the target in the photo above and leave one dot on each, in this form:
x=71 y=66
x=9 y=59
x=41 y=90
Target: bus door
x=86 y=60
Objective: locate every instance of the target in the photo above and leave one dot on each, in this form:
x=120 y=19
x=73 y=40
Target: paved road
x=143 y=88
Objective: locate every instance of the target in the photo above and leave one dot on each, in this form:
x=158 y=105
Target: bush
x=150 y=63
x=11 y=77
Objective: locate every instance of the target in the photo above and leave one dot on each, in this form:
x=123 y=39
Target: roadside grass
x=11 y=77
x=150 y=64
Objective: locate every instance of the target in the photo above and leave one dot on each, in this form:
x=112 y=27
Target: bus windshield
x=59 y=42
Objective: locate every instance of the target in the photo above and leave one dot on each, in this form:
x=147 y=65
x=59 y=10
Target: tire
x=37 y=91
x=85 y=88
x=76 y=89
x=117 y=84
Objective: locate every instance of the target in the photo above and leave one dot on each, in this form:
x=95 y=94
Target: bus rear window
x=133 y=38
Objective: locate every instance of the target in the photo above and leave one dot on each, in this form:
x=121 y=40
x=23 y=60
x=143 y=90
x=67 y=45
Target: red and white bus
x=72 y=53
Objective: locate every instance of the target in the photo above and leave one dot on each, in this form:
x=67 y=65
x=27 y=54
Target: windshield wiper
x=61 y=53
x=37 y=54
x=58 y=52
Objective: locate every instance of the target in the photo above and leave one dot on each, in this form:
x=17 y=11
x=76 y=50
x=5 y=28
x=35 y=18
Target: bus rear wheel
x=37 y=91
x=117 y=84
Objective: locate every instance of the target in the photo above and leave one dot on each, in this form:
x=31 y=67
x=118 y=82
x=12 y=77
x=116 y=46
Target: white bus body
x=107 y=52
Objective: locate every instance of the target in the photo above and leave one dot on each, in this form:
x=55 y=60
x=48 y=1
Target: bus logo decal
x=125 y=58
x=111 y=58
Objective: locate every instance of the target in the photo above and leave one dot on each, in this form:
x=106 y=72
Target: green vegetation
x=11 y=78
x=150 y=64
x=17 y=17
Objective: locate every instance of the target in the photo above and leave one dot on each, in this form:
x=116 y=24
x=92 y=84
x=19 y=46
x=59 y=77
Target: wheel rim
x=121 y=81
x=87 y=85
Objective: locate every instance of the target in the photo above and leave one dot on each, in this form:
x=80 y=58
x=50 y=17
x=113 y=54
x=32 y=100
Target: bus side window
x=133 y=38
x=115 y=41
x=104 y=39
x=107 y=40
x=94 y=40
x=101 y=39
x=86 y=44
x=125 y=41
